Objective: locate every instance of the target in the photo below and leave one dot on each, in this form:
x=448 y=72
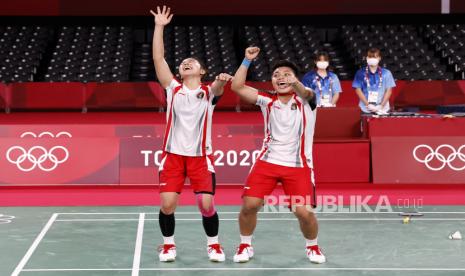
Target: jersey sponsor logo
x=438 y=156
x=200 y=95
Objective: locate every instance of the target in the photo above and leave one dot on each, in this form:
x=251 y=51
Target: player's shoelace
x=315 y=248
x=216 y=247
x=241 y=248
x=165 y=248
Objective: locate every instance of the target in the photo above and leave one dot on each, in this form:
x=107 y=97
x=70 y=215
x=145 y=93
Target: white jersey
x=289 y=130
x=189 y=119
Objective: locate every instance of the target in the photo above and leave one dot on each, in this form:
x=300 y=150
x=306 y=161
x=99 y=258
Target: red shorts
x=175 y=168
x=264 y=177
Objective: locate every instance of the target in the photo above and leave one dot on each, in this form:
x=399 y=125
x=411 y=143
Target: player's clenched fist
x=223 y=77
x=251 y=52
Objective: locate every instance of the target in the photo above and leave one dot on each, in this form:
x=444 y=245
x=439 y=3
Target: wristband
x=246 y=62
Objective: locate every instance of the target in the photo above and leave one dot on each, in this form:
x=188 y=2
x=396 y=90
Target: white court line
x=254 y=269
x=237 y=212
x=307 y=268
x=279 y=219
x=74 y=269
x=34 y=245
x=138 y=248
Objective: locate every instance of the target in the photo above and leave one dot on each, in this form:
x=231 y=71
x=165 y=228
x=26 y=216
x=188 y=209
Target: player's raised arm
x=217 y=86
x=162 y=18
x=246 y=93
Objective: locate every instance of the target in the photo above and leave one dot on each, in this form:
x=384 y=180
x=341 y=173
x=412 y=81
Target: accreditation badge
x=325 y=100
x=373 y=97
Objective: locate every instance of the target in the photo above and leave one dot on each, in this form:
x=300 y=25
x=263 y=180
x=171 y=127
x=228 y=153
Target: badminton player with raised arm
x=187 y=149
x=286 y=156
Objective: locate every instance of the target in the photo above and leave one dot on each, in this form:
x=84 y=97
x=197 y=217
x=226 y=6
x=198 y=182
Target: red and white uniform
x=286 y=155
x=289 y=131
x=187 y=142
x=189 y=119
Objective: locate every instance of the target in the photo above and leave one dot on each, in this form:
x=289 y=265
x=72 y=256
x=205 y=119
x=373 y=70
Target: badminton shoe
x=244 y=253
x=215 y=253
x=167 y=253
x=315 y=255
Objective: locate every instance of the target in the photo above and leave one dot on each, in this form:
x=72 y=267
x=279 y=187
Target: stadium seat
x=120 y=53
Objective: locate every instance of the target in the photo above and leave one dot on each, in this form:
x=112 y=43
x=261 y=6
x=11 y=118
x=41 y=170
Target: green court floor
x=123 y=240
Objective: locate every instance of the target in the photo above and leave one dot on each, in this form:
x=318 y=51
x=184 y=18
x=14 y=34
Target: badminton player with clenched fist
x=289 y=115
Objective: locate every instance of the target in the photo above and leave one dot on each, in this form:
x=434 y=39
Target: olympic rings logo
x=38 y=156
x=46 y=133
x=37 y=161
x=437 y=155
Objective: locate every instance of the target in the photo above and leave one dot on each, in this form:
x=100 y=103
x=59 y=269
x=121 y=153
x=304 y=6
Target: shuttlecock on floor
x=455 y=236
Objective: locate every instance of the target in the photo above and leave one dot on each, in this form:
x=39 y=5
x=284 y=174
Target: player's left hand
x=292 y=80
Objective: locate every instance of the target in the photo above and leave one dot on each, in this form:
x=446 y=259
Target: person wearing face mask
x=324 y=82
x=289 y=115
x=187 y=149
x=373 y=85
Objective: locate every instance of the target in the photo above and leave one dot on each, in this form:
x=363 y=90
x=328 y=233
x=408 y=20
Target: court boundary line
x=138 y=246
x=34 y=245
x=280 y=213
x=253 y=269
x=268 y=219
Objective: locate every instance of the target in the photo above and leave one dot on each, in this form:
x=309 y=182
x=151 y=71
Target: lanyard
x=318 y=83
x=367 y=78
x=320 y=87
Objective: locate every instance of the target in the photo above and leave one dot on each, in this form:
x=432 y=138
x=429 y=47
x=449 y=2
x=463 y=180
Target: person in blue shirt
x=324 y=82
x=373 y=85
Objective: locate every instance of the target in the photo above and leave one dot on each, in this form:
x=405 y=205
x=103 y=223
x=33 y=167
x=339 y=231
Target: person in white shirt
x=289 y=116
x=187 y=145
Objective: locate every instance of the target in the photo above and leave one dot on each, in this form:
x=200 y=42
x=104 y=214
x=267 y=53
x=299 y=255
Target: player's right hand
x=224 y=78
x=163 y=16
x=251 y=52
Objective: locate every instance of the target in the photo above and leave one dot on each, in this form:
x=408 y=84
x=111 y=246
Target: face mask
x=322 y=64
x=372 y=61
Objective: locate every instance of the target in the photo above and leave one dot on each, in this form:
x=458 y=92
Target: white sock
x=311 y=242
x=212 y=240
x=246 y=239
x=168 y=240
